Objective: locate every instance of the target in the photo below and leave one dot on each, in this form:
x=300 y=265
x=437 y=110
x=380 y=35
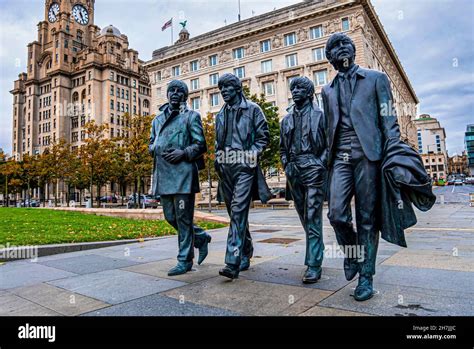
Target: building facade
x=267 y=51
x=432 y=146
x=76 y=72
x=457 y=164
x=469 y=144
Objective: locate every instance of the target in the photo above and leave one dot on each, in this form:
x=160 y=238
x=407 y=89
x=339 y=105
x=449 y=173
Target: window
x=318 y=54
x=176 y=70
x=290 y=39
x=213 y=60
x=316 y=32
x=194 y=65
x=158 y=76
x=66 y=43
x=239 y=72
x=213 y=79
x=291 y=60
x=268 y=88
x=194 y=84
x=111 y=104
x=319 y=99
x=345 y=24
x=195 y=103
x=238 y=53
x=265 y=45
x=266 y=66
x=112 y=76
x=112 y=90
x=214 y=99
x=320 y=77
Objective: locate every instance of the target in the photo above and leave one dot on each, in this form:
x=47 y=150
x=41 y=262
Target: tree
x=55 y=165
x=10 y=171
x=138 y=161
x=209 y=174
x=271 y=156
x=96 y=156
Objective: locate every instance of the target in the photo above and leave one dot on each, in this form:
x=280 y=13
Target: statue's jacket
x=251 y=133
x=183 y=131
x=371 y=109
x=404 y=182
x=317 y=129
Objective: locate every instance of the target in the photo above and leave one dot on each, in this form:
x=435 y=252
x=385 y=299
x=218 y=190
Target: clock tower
x=76 y=73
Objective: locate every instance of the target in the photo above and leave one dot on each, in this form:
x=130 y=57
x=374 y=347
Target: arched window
x=146 y=104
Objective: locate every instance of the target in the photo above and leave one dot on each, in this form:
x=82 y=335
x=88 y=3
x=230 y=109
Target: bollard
x=441 y=198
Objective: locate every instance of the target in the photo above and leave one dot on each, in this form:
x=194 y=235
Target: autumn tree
x=271 y=155
x=138 y=161
x=209 y=174
x=96 y=156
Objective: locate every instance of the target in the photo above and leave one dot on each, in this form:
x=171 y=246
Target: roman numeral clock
x=79 y=13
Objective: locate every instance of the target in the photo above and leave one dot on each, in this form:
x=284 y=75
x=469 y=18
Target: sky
x=434 y=40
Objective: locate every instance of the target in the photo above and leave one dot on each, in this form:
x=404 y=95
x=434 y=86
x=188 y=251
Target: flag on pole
x=167 y=25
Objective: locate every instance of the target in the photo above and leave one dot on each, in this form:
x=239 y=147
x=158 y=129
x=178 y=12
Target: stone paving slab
x=431 y=259
x=250 y=297
x=116 y=286
x=325 y=311
x=395 y=300
x=21 y=273
x=58 y=300
x=88 y=264
x=13 y=305
x=434 y=279
x=287 y=274
x=157 y=305
x=160 y=270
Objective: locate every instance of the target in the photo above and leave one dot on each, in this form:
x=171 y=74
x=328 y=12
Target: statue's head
x=230 y=87
x=302 y=89
x=177 y=93
x=340 y=51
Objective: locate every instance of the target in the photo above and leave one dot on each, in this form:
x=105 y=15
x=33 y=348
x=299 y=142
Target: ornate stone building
x=75 y=73
x=432 y=146
x=269 y=50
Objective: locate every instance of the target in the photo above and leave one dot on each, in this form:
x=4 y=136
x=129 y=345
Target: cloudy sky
x=434 y=40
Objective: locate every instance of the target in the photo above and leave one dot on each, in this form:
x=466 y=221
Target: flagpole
x=171 y=31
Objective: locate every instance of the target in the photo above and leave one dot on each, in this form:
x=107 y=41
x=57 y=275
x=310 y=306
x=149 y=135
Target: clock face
x=80 y=14
x=53 y=12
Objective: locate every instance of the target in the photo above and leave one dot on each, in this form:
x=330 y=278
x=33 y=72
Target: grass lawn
x=30 y=226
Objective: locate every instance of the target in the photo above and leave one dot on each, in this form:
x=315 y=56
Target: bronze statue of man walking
x=359 y=124
x=177 y=144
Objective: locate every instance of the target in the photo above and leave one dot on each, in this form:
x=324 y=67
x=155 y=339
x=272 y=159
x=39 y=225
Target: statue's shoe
x=229 y=272
x=244 y=264
x=204 y=248
x=364 y=289
x=180 y=268
x=351 y=268
x=312 y=275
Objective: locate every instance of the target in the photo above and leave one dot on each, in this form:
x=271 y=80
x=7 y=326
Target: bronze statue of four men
x=334 y=154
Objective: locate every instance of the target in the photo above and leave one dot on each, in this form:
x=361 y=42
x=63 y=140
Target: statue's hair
x=306 y=82
x=180 y=85
x=229 y=79
x=332 y=41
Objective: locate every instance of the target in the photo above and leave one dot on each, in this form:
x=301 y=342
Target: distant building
x=267 y=51
x=432 y=146
x=469 y=144
x=75 y=73
x=457 y=164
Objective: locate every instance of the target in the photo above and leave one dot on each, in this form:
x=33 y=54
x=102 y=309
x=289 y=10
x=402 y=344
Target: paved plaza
x=433 y=276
